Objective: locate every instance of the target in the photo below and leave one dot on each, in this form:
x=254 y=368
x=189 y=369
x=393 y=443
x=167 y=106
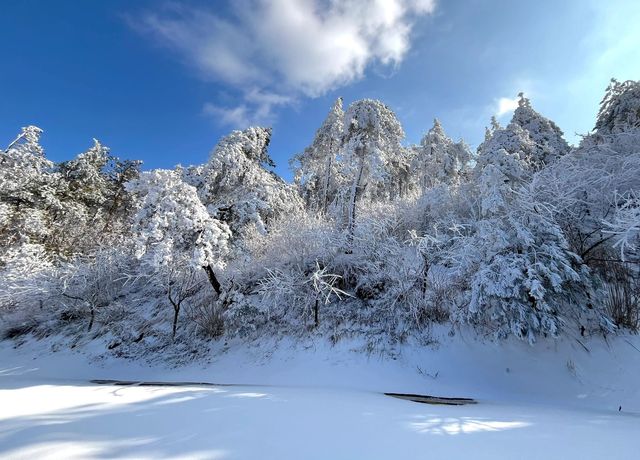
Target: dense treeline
x=527 y=236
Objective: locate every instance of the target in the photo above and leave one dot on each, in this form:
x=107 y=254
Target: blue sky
x=162 y=82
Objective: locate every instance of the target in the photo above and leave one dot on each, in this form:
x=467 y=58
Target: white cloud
x=300 y=47
x=506 y=105
x=257 y=108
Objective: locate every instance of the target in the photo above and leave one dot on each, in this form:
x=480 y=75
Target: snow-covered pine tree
x=620 y=108
x=506 y=149
x=95 y=180
x=529 y=143
x=316 y=169
x=27 y=195
x=549 y=143
x=86 y=182
x=438 y=159
x=236 y=186
x=374 y=161
x=83 y=189
x=523 y=278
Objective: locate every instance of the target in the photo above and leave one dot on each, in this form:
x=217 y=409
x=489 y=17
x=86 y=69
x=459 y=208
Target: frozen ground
x=317 y=402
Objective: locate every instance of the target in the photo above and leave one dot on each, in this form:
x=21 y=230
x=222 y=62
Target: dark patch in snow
x=427 y=399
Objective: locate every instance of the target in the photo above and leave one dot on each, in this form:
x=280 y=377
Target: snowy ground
x=556 y=401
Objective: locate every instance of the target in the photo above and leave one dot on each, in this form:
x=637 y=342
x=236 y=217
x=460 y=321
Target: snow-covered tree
x=528 y=144
x=620 y=108
x=438 y=159
x=316 y=169
x=85 y=178
x=69 y=208
x=95 y=180
x=523 y=278
x=172 y=225
x=175 y=234
x=506 y=149
x=372 y=154
x=83 y=191
x=27 y=192
x=587 y=184
x=549 y=145
x=236 y=186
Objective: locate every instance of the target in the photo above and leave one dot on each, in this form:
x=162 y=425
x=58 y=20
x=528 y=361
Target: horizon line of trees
x=528 y=236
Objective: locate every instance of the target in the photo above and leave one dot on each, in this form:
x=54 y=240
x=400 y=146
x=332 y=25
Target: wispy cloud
x=527 y=86
x=268 y=48
x=506 y=105
x=256 y=108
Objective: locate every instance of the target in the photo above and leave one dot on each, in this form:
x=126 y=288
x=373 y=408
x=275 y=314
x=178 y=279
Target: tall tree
x=548 y=140
x=620 y=108
x=236 y=186
x=316 y=169
x=95 y=180
x=371 y=153
x=440 y=160
x=27 y=193
x=175 y=235
x=529 y=143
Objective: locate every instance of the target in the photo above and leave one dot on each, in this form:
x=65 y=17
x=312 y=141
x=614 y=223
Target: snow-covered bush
x=94 y=287
x=25 y=277
x=523 y=279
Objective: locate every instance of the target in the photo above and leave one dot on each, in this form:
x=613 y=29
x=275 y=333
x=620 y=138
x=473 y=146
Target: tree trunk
x=92 y=319
x=355 y=189
x=213 y=279
x=327 y=178
x=425 y=276
x=315 y=314
x=176 y=311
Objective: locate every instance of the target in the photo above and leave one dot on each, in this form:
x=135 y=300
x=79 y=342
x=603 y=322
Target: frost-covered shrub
x=25 y=277
x=522 y=277
x=308 y=274
x=92 y=288
x=622 y=295
x=73 y=296
x=208 y=316
x=286 y=276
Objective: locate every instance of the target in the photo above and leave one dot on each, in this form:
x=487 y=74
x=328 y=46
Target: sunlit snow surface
x=555 y=402
x=68 y=421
